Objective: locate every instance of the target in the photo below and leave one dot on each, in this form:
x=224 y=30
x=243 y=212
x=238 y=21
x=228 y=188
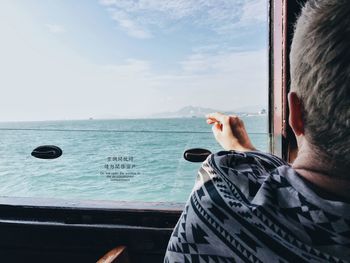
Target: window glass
x=122 y=87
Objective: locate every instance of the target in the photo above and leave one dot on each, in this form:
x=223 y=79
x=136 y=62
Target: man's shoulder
x=237 y=160
x=245 y=167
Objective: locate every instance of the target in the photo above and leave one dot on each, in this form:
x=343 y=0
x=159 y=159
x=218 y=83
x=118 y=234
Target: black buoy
x=196 y=155
x=47 y=152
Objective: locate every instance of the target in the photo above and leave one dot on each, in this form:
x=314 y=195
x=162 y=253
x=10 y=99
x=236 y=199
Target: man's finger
x=217 y=116
x=211 y=121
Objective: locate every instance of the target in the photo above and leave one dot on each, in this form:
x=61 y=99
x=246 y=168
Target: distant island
x=200 y=112
x=188 y=112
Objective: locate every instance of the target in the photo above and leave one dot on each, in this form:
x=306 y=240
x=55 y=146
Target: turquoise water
x=121 y=160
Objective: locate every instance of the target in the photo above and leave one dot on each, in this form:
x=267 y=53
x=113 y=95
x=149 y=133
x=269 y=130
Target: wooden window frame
x=277 y=77
x=283 y=14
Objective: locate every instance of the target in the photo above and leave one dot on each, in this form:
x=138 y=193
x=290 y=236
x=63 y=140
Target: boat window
x=100 y=99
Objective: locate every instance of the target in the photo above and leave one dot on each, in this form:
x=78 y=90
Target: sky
x=65 y=59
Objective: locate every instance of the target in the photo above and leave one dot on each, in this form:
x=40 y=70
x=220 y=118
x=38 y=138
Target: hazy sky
x=73 y=59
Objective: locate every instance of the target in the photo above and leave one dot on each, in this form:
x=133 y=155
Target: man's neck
x=319 y=171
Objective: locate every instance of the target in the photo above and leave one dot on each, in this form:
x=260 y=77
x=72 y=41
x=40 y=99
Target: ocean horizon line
x=122 y=118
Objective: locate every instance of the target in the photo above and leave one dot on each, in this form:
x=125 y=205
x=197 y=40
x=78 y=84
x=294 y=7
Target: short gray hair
x=320 y=75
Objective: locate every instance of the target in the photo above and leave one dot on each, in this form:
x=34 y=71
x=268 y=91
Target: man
x=249 y=206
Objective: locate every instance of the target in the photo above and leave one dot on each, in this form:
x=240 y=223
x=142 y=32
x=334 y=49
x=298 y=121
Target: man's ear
x=295 y=114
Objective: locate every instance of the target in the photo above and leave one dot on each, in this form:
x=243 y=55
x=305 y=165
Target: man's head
x=320 y=78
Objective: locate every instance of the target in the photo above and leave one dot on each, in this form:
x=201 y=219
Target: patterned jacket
x=253 y=207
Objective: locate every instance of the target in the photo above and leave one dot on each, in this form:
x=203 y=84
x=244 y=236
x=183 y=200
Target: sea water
x=120 y=160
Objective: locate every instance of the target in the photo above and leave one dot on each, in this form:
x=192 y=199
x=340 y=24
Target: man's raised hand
x=230 y=132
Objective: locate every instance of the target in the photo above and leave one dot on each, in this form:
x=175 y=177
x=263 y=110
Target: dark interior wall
x=293 y=11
